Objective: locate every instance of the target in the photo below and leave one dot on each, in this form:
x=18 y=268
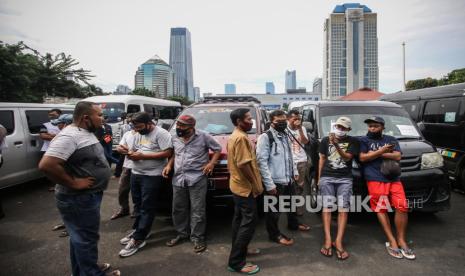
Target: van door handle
x=18 y=144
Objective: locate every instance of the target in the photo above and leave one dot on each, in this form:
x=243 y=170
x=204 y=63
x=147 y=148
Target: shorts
x=335 y=190
x=382 y=193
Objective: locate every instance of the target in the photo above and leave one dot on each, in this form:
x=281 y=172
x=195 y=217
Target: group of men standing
x=278 y=165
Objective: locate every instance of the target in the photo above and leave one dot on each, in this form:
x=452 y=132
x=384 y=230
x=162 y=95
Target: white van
x=21 y=157
x=113 y=105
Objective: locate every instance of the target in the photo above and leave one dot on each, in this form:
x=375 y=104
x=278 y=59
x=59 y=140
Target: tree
x=421 y=83
x=180 y=99
x=455 y=76
x=142 y=92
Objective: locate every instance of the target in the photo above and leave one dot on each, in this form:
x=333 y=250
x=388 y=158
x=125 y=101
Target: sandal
x=104 y=266
x=199 y=247
x=304 y=227
x=396 y=253
x=177 y=240
x=118 y=215
x=63 y=234
x=253 y=252
x=283 y=240
x=58 y=227
x=342 y=255
x=408 y=253
x=326 y=251
x=248 y=269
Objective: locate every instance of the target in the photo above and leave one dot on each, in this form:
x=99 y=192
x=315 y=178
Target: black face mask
x=182 y=132
x=145 y=130
x=280 y=126
x=375 y=135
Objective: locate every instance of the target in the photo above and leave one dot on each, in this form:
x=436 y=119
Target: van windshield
x=215 y=119
x=112 y=111
x=398 y=122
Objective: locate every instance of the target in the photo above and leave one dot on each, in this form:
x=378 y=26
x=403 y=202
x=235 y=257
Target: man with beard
x=375 y=148
x=75 y=160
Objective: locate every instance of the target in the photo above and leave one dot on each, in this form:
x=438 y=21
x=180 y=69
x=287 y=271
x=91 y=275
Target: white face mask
x=340 y=133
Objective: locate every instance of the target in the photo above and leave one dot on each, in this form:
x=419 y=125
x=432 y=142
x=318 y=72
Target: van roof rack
x=230 y=98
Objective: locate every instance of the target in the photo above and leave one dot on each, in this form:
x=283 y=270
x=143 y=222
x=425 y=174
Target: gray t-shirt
x=84 y=157
x=156 y=141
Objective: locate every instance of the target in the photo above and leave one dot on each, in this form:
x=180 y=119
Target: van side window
x=442 y=111
x=412 y=109
x=132 y=108
x=35 y=120
x=7 y=120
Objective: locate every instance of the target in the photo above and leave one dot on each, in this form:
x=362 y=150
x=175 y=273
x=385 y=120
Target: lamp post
x=403 y=67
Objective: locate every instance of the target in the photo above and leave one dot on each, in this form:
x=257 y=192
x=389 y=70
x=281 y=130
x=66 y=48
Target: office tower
x=181 y=62
x=196 y=94
x=229 y=89
x=318 y=85
x=156 y=76
x=269 y=86
x=350 y=50
x=291 y=81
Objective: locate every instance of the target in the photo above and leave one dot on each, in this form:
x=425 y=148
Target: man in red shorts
x=385 y=193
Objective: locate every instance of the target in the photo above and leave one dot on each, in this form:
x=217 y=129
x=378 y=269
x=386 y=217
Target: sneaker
x=125 y=240
x=131 y=248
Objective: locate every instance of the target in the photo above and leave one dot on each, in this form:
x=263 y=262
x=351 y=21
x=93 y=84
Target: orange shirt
x=240 y=152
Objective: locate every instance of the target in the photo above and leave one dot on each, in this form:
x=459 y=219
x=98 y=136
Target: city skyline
x=245 y=51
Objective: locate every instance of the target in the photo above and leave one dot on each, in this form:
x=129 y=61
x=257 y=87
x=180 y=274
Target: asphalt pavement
x=29 y=247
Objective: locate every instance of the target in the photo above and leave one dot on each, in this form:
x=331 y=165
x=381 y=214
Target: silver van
x=21 y=156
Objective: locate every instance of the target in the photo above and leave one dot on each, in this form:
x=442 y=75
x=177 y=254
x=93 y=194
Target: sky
x=245 y=42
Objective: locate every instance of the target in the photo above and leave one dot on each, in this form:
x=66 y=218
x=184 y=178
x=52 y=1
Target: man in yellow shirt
x=245 y=184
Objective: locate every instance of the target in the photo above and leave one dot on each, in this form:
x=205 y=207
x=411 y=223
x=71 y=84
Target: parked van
x=423 y=173
x=440 y=115
x=113 y=105
x=21 y=157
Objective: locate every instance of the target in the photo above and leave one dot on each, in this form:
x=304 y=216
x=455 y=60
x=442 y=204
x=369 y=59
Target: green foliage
x=143 y=92
x=182 y=100
x=27 y=76
x=455 y=76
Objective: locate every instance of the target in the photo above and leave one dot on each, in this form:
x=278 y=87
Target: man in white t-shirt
x=150 y=153
x=299 y=140
x=48 y=130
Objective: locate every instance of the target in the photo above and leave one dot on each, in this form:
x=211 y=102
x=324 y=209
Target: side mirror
x=308 y=126
x=421 y=126
x=166 y=126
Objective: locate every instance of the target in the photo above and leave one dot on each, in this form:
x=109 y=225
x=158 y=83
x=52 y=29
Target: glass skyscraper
x=269 y=87
x=181 y=62
x=350 y=51
x=291 y=80
x=156 y=76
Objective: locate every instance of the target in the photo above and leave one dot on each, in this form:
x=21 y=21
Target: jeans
x=81 y=216
x=119 y=165
x=108 y=151
x=189 y=208
x=272 y=218
x=124 y=189
x=243 y=228
x=145 y=190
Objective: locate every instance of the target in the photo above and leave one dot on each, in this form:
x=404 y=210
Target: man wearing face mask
x=191 y=168
x=335 y=182
x=278 y=170
x=48 y=131
x=75 y=160
x=374 y=148
x=151 y=149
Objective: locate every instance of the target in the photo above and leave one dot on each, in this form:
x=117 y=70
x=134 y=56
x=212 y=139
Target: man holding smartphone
x=384 y=193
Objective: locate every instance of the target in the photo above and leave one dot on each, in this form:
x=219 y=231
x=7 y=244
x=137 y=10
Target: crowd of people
x=76 y=157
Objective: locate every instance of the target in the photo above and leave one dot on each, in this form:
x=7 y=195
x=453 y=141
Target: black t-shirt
x=334 y=165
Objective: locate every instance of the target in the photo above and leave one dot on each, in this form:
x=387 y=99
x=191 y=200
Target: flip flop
x=329 y=251
x=340 y=253
x=396 y=253
x=256 y=270
x=408 y=253
x=303 y=227
x=283 y=237
x=58 y=227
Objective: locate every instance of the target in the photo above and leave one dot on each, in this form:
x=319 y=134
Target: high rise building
x=181 y=62
x=291 y=80
x=269 y=86
x=230 y=89
x=196 y=94
x=318 y=85
x=350 y=50
x=157 y=76
x=122 y=90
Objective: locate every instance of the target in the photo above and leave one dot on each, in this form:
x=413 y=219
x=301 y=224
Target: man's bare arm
x=53 y=168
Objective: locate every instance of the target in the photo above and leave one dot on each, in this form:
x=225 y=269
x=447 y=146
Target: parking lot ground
x=29 y=247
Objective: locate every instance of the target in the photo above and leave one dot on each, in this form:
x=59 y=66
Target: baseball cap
x=344 y=121
x=375 y=119
x=63 y=119
x=186 y=119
